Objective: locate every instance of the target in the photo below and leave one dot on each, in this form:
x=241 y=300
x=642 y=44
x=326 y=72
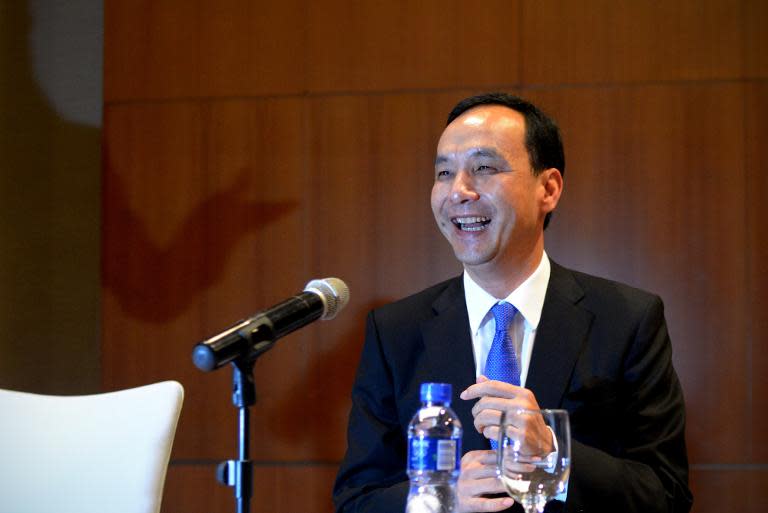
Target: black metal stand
x=239 y=473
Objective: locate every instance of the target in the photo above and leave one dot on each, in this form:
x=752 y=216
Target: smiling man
x=595 y=347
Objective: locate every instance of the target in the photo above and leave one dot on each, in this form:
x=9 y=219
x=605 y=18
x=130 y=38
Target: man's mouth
x=471 y=223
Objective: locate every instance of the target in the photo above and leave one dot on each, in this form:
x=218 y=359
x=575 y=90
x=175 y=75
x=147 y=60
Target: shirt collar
x=528 y=298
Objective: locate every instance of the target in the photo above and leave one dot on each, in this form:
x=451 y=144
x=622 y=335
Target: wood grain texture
x=246 y=207
x=277 y=488
x=183 y=49
x=654 y=197
x=204 y=254
x=236 y=48
x=755 y=38
x=368 y=222
x=372 y=176
x=729 y=489
x=756 y=128
x=152 y=260
x=381 y=45
x=599 y=41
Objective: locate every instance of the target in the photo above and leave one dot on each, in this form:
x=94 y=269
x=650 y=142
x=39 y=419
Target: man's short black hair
x=542 y=137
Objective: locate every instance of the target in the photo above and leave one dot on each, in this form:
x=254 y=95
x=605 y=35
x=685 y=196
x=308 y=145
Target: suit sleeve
x=372 y=477
x=648 y=472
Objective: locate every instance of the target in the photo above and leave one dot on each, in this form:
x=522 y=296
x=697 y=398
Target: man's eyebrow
x=441 y=159
x=484 y=152
x=475 y=152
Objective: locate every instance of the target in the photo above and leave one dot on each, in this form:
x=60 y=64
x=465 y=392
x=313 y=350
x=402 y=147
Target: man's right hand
x=477 y=480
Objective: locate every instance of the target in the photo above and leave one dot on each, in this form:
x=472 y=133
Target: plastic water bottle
x=434 y=452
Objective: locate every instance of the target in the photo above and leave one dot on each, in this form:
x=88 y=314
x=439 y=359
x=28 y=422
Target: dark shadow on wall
x=156 y=283
x=49 y=229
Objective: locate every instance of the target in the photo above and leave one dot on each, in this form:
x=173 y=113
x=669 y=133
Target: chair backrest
x=105 y=453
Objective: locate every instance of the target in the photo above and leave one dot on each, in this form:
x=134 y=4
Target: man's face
x=485 y=198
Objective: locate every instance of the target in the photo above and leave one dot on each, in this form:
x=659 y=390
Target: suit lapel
x=448 y=348
x=560 y=337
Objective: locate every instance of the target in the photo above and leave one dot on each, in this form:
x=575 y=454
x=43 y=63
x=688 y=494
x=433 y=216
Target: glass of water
x=534 y=456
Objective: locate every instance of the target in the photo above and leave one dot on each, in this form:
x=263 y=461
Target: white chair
x=103 y=453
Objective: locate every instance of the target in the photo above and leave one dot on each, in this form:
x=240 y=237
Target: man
x=594 y=347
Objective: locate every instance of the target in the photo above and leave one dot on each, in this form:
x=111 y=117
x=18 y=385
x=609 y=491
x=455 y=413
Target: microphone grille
x=334 y=293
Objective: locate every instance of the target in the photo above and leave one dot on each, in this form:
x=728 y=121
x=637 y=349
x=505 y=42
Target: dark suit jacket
x=602 y=352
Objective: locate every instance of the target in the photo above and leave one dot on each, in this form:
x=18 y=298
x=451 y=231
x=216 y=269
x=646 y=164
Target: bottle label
x=434 y=453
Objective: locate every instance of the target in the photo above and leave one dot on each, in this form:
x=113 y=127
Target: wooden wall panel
x=380 y=45
x=367 y=202
x=666 y=163
x=244 y=48
x=183 y=49
x=250 y=151
x=153 y=260
x=728 y=489
x=149 y=46
x=756 y=128
x=212 y=260
x=373 y=157
x=566 y=42
x=281 y=488
x=150 y=262
x=755 y=38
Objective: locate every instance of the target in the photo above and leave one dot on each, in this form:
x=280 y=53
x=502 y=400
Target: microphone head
x=333 y=292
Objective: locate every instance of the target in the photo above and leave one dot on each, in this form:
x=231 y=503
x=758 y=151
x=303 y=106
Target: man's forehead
x=494 y=129
x=484 y=122
x=499 y=116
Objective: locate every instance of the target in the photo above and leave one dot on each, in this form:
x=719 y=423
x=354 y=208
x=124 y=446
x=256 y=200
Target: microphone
x=249 y=338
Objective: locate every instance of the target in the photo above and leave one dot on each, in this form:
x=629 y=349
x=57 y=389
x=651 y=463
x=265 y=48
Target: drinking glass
x=534 y=456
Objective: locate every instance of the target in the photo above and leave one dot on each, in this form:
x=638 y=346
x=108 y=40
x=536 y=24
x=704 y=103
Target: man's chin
x=472 y=259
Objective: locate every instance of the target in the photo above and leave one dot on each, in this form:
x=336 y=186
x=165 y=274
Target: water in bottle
x=434 y=452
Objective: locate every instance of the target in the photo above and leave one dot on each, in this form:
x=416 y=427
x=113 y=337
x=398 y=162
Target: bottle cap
x=436 y=392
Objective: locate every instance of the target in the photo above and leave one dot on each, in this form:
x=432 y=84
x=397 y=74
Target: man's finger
x=478 y=472
x=492 y=388
x=501 y=404
x=482 y=504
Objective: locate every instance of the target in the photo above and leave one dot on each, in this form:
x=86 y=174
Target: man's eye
x=443 y=173
x=483 y=169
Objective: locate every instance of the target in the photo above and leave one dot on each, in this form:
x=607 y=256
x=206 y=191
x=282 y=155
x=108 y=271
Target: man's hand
x=496 y=397
x=477 y=479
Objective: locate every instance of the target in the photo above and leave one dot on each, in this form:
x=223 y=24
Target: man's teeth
x=471 y=224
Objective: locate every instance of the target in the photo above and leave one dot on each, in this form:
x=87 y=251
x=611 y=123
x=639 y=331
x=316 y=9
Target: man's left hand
x=496 y=397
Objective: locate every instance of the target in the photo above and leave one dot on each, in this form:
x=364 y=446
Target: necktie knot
x=503 y=313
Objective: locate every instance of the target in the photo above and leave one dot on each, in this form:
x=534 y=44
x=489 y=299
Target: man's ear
x=552 y=185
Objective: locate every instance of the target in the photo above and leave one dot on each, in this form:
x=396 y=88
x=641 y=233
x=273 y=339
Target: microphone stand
x=245 y=342
x=239 y=473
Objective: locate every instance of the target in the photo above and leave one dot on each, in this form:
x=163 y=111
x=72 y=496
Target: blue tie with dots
x=502 y=364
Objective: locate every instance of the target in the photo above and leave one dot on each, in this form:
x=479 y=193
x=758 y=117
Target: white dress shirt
x=528 y=298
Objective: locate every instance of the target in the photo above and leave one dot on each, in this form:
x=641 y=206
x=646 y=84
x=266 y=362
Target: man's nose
x=463 y=188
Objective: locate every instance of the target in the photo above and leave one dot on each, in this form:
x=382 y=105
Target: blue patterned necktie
x=502 y=364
